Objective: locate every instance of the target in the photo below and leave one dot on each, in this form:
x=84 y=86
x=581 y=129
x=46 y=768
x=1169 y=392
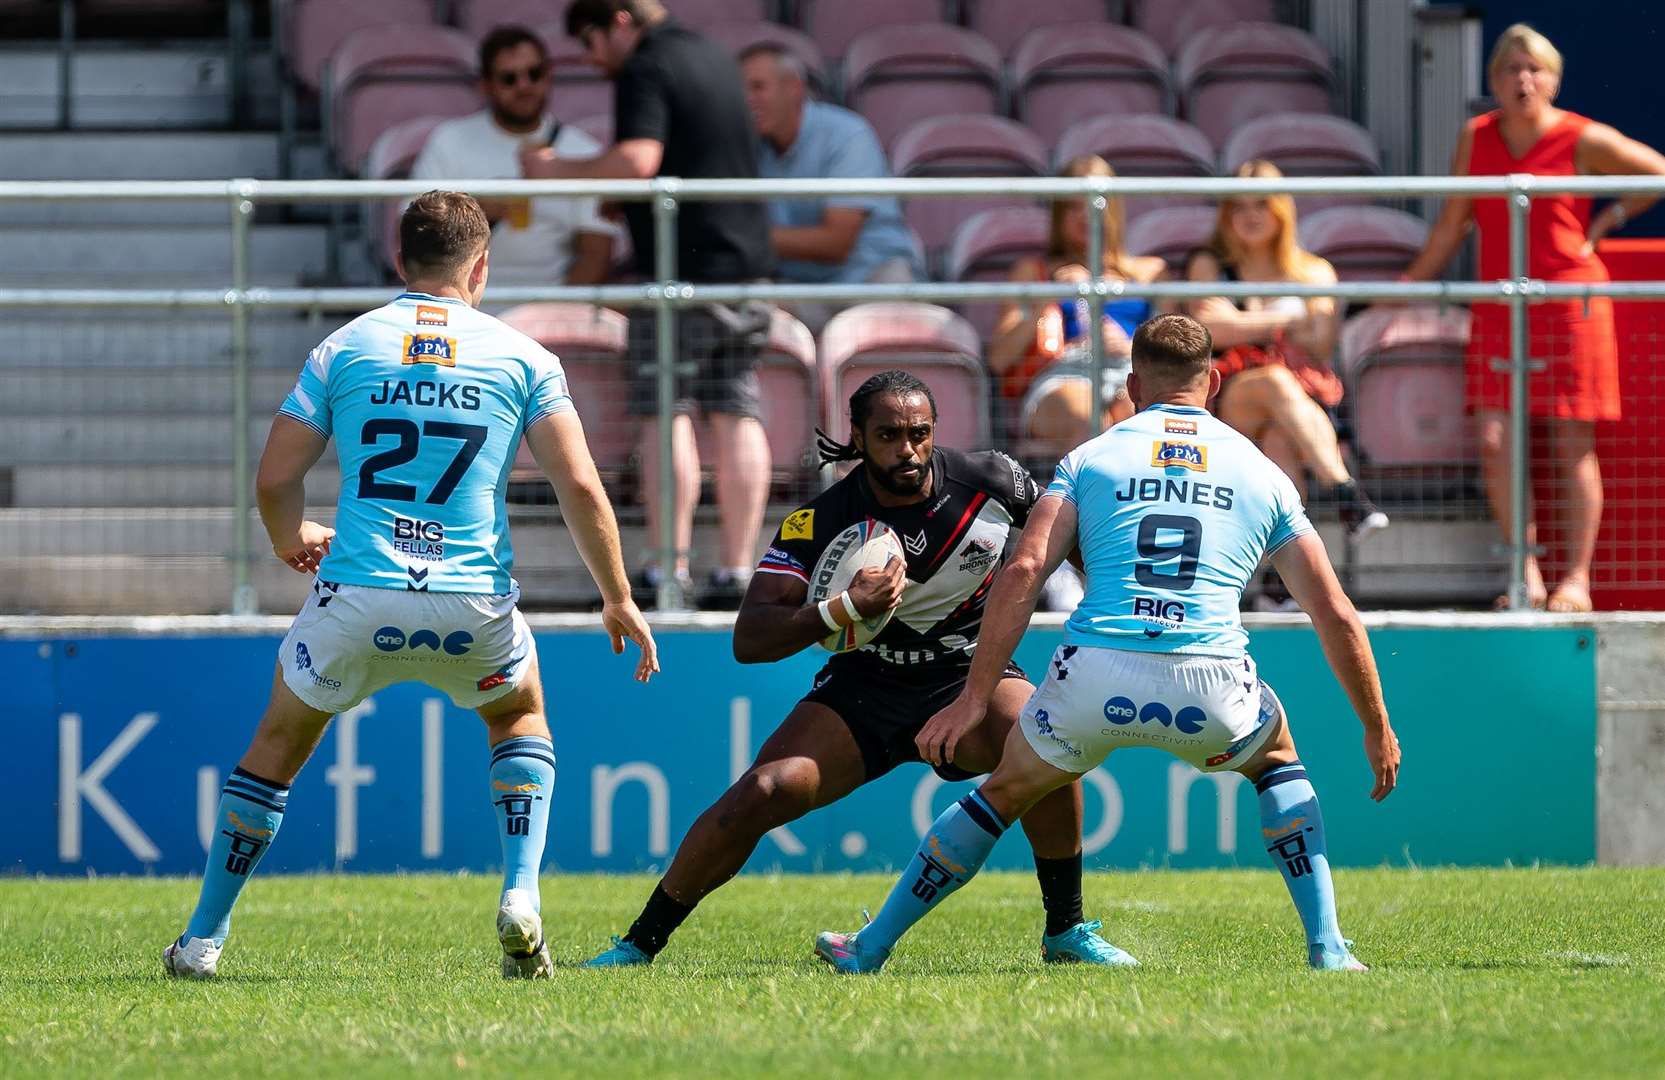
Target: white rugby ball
x=869 y=543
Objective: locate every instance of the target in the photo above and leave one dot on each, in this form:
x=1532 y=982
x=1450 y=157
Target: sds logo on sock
x=1291 y=847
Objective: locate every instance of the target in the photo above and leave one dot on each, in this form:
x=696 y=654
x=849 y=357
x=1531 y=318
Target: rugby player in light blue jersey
x=427 y=399
x=1173 y=512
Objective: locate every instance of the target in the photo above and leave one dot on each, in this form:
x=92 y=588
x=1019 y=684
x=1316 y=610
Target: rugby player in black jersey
x=954 y=513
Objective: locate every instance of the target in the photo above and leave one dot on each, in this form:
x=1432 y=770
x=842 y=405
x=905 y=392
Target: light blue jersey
x=1176 y=510
x=428 y=398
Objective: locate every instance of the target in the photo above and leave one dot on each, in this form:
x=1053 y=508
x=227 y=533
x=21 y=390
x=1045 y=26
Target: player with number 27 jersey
x=426 y=399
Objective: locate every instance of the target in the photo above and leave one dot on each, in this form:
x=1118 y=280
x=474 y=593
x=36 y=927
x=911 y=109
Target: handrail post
x=1520 y=205
x=669 y=593
x=1096 y=205
x=244 y=600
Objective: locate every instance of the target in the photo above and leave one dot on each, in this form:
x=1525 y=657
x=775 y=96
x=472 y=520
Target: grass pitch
x=1495 y=973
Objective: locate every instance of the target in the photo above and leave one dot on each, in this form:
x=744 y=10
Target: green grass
x=1494 y=973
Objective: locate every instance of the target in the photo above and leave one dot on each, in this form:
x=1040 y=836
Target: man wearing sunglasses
x=536 y=241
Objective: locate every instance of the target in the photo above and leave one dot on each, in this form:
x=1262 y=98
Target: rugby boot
x=520 y=932
x=1081 y=944
x=845 y=955
x=192 y=958
x=1326 y=959
x=1361 y=516
x=622 y=954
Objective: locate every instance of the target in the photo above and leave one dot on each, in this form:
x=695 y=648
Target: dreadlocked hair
x=893 y=381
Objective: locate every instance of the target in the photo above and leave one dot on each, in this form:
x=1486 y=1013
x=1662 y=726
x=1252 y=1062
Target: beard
x=897 y=480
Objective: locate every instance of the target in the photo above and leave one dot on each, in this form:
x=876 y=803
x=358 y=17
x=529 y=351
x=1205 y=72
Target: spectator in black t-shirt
x=680 y=110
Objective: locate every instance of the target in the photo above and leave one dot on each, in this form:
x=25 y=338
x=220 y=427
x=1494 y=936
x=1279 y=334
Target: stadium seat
x=381 y=75
x=1172 y=23
x=1148 y=145
x=1306 y=144
x=791 y=395
x=1232 y=74
x=739 y=36
x=1004 y=22
x=1404 y=367
x=478 y=17
x=932 y=342
x=391 y=157
x=1172 y=233
x=312 y=29
x=898 y=75
x=703 y=14
x=591 y=344
x=970 y=145
x=1061 y=74
x=984 y=248
x=835 y=24
x=1365 y=243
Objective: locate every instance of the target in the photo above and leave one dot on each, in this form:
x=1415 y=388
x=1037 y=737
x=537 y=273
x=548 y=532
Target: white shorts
x=350 y=641
x=1207 y=710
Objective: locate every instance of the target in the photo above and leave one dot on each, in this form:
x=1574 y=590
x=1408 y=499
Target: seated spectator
x=822 y=239
x=1273 y=353
x=1042 y=354
x=533 y=241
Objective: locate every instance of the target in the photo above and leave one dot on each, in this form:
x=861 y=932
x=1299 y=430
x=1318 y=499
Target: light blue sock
x=251 y=809
x=952 y=852
x=522 y=780
x=1293 y=830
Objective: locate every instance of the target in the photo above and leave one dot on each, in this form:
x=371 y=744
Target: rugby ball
x=869 y=543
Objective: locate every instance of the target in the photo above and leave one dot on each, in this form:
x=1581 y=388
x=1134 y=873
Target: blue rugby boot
x=1081 y=944
x=845 y=955
x=622 y=954
x=1323 y=958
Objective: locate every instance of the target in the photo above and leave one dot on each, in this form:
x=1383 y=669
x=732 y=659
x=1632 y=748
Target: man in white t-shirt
x=538 y=241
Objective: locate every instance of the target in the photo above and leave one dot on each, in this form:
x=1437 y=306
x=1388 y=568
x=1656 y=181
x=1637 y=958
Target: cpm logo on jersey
x=1122 y=711
x=428 y=315
x=1161 y=614
x=430 y=349
x=1173 y=454
x=1289 y=843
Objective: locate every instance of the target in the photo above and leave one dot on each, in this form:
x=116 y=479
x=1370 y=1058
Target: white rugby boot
x=520 y=931
x=192 y=958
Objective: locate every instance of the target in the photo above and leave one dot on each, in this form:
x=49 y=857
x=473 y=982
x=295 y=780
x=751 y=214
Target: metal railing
x=667 y=295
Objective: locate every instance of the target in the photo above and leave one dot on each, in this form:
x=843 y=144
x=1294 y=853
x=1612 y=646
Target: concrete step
x=143 y=254
x=124 y=439
x=67 y=486
x=117 y=86
x=123 y=343
x=181 y=389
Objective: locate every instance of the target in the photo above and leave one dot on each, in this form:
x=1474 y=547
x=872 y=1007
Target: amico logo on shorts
x=390 y=639
x=1122 y=711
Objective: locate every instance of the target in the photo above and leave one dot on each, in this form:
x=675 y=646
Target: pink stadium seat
x=1062 y=74
x=984 y=248
x=1306 y=144
x=1172 y=233
x=791 y=399
x=391 y=157
x=1172 y=23
x=739 y=36
x=969 y=145
x=1004 y=22
x=313 y=28
x=1365 y=243
x=381 y=75
x=1148 y=145
x=932 y=342
x=1405 y=368
x=590 y=342
x=835 y=24
x=479 y=17
x=702 y=14
x=897 y=75
x=1232 y=74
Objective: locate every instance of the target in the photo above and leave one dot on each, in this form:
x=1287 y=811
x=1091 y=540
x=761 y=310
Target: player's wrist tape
x=840 y=606
x=850 y=607
x=825 y=608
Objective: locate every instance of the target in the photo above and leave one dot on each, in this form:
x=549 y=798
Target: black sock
x=1060 y=892
x=658 y=921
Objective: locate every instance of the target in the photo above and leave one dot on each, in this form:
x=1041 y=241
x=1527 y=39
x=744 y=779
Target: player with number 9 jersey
x=426 y=399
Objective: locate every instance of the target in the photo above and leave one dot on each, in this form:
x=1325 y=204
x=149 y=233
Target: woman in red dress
x=1577 y=380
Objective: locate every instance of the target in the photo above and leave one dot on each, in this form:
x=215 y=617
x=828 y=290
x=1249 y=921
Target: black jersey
x=956 y=541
